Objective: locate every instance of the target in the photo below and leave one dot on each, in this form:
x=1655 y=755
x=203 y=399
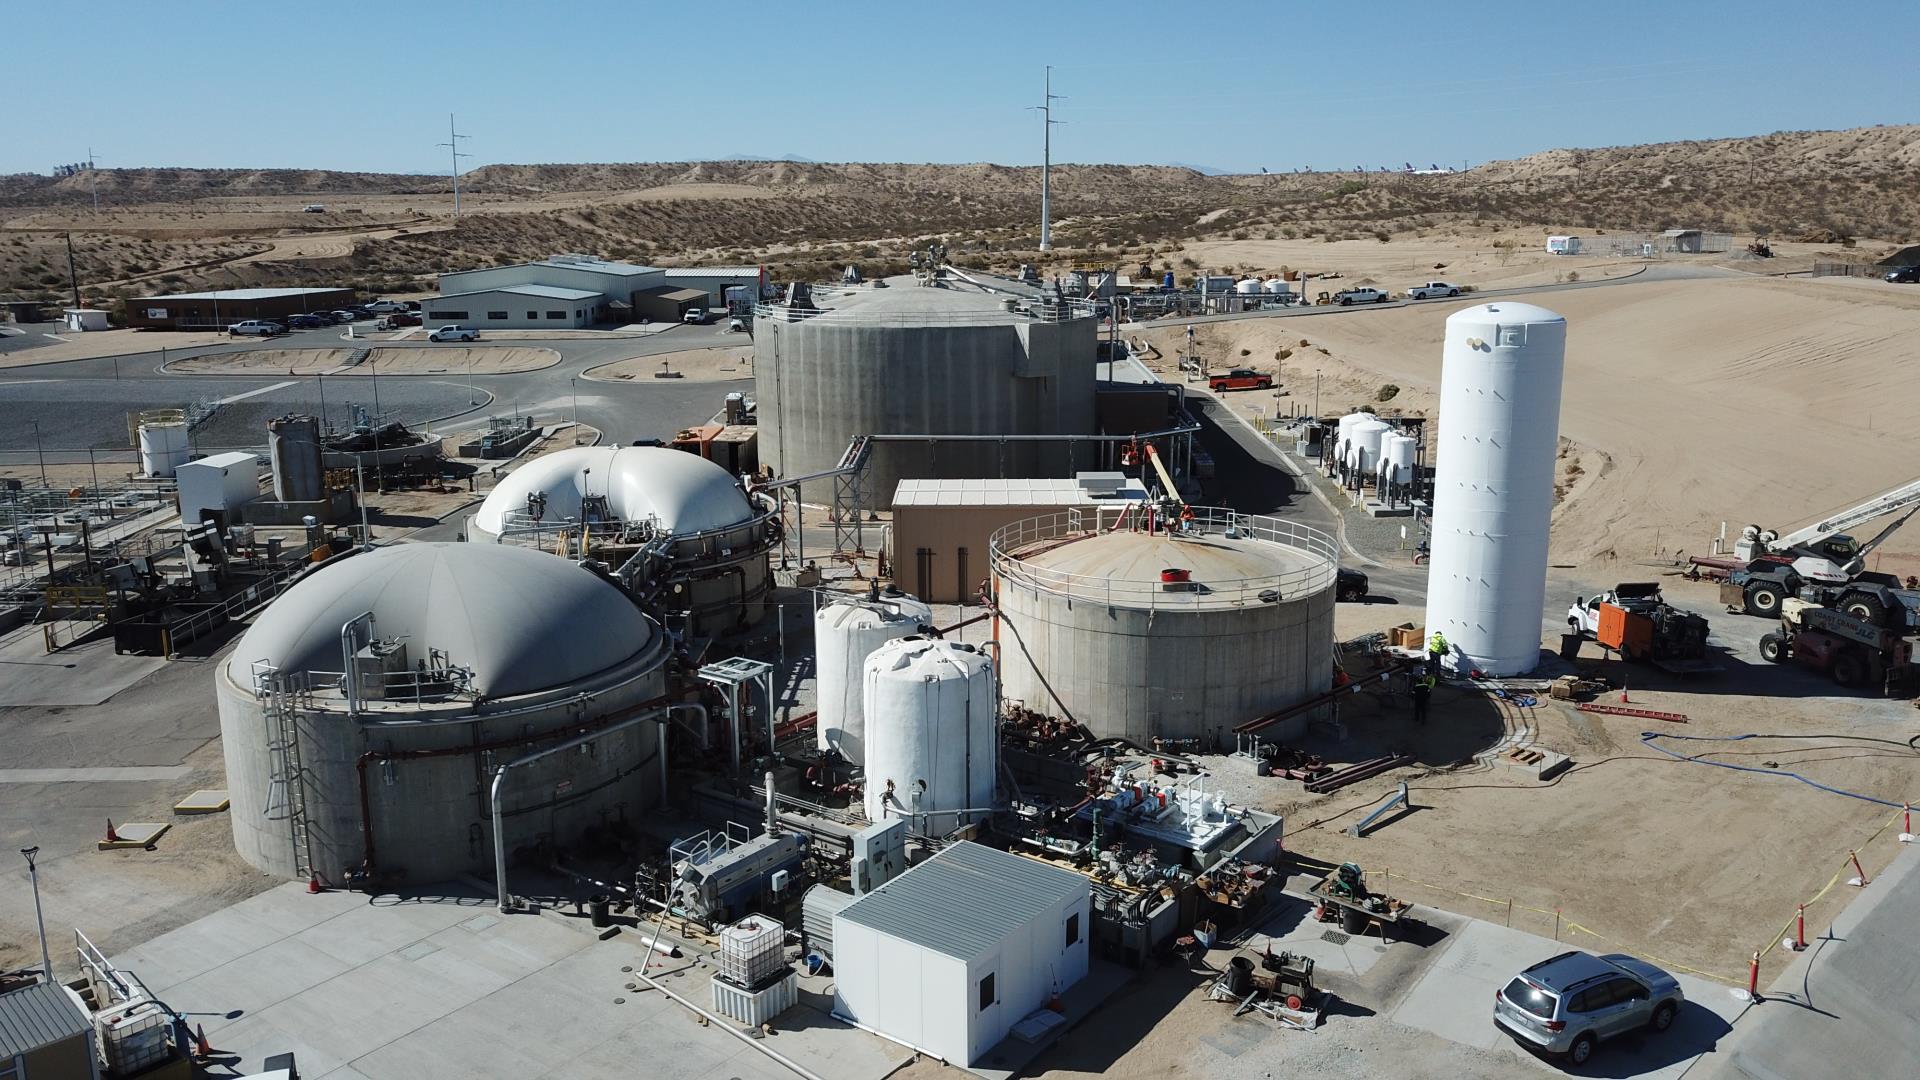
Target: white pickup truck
x=1362 y=294
x=1583 y=615
x=695 y=316
x=1433 y=289
x=260 y=327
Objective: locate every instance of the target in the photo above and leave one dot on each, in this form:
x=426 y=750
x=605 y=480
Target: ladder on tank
x=288 y=697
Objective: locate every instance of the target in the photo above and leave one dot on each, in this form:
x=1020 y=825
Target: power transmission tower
x=453 y=146
x=1045 y=109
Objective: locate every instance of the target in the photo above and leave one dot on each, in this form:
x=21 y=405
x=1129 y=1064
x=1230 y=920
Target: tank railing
x=420 y=685
x=1042 y=309
x=1067 y=526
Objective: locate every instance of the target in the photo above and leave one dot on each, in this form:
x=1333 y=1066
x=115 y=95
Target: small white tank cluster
x=846 y=632
x=931 y=748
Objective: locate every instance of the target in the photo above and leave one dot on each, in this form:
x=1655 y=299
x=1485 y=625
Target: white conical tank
x=845 y=633
x=1367 y=439
x=931 y=749
x=1400 y=454
x=1493 y=484
x=1342 y=438
x=163 y=448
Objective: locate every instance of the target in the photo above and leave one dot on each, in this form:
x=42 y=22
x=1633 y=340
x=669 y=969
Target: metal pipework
x=350 y=680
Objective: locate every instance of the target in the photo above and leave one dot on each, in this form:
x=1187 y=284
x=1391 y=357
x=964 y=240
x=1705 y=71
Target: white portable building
x=223 y=482
x=80 y=320
x=949 y=956
x=1563 y=245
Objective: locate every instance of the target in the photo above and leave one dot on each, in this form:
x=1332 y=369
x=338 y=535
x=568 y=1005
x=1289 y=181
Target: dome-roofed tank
x=931 y=746
x=1365 y=443
x=1248 y=286
x=1400 y=455
x=393 y=678
x=845 y=633
x=712 y=538
x=1277 y=285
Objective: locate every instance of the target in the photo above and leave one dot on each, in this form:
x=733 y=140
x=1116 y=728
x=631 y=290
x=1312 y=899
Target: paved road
x=82 y=404
x=23 y=336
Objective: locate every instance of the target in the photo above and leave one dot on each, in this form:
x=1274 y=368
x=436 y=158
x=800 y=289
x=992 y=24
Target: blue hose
x=1648 y=737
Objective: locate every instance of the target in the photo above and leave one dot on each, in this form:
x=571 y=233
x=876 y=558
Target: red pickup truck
x=1240 y=379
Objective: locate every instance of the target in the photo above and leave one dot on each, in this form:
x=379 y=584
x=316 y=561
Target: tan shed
x=941 y=527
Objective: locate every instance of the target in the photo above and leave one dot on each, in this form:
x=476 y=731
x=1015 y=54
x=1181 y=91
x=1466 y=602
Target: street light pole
x=573 y=385
x=473 y=397
x=46 y=958
x=40 y=454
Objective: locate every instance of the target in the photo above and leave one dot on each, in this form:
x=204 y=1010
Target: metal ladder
x=288 y=697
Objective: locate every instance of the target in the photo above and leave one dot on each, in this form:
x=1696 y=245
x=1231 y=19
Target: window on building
x=501 y=315
x=456 y=316
x=556 y=314
x=533 y=314
x=1073 y=930
x=986 y=992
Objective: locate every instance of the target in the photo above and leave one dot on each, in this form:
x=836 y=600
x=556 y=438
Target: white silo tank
x=1400 y=454
x=1367 y=440
x=1247 y=286
x=845 y=633
x=1277 y=285
x=1493 y=484
x=931 y=749
x=163 y=448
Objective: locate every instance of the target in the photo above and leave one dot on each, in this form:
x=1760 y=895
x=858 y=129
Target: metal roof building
x=950 y=955
x=220 y=308
x=44 y=1033
x=520 y=307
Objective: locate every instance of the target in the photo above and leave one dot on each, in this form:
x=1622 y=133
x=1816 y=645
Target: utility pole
x=453 y=146
x=73 y=278
x=1046 y=161
x=46 y=959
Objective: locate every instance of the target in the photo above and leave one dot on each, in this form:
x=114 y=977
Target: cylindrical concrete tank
x=713 y=538
x=163 y=448
x=1493 y=484
x=1090 y=631
x=1400 y=454
x=364 y=713
x=931 y=746
x=845 y=633
x=1366 y=441
x=907 y=361
x=293 y=446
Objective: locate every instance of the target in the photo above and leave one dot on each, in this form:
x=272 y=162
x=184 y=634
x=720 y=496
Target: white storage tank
x=1248 y=286
x=1493 y=484
x=845 y=633
x=1367 y=439
x=163 y=448
x=1277 y=286
x=1400 y=455
x=931 y=750
x=1344 y=431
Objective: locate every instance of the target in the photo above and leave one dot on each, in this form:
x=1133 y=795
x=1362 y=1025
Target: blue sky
x=1255 y=83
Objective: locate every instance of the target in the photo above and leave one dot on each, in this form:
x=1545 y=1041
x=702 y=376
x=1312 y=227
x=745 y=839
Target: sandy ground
x=442 y=360
x=1766 y=400
x=99 y=343
x=724 y=364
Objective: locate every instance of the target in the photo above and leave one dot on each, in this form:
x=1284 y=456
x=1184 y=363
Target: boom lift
x=1823 y=564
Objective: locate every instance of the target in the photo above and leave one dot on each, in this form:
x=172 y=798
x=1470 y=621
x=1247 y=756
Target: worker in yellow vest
x=1422 y=695
x=1436 y=652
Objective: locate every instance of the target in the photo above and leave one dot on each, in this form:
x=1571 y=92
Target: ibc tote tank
x=931 y=745
x=1493 y=484
x=845 y=633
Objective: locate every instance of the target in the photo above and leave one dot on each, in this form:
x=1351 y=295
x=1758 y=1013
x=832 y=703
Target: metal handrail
x=1006 y=546
x=1040 y=310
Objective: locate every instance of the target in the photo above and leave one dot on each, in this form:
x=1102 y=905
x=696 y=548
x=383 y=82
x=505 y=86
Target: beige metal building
x=938 y=547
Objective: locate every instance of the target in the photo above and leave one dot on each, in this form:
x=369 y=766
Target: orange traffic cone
x=1623 y=693
x=313 y=884
x=112 y=837
x=201 y=1048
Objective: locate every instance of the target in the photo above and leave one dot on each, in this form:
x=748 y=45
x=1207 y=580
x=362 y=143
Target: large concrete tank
x=845 y=633
x=462 y=657
x=1493 y=484
x=163 y=448
x=931 y=749
x=713 y=540
x=1090 y=631
x=911 y=360
x=293 y=447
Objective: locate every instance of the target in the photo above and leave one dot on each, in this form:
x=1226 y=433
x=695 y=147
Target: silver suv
x=1566 y=1005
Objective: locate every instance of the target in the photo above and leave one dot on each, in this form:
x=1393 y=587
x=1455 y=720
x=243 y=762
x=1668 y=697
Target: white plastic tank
x=931 y=750
x=1342 y=437
x=1400 y=454
x=845 y=633
x=1277 y=285
x=1367 y=438
x=1247 y=286
x=163 y=448
x=1493 y=484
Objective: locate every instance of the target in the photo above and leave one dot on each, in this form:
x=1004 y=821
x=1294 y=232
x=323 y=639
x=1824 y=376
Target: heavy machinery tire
x=1866 y=607
x=1849 y=669
x=1764 y=597
x=1774 y=649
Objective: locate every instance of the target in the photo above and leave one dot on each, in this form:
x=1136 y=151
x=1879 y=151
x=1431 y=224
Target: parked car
x=1360 y=295
x=344 y=316
x=1565 y=1005
x=314 y=208
x=411 y=305
x=1240 y=379
x=256 y=327
x=306 y=322
x=1433 y=289
x=1905 y=275
x=399 y=319
x=385 y=307
x=697 y=316
x=1349 y=586
x=454 y=333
